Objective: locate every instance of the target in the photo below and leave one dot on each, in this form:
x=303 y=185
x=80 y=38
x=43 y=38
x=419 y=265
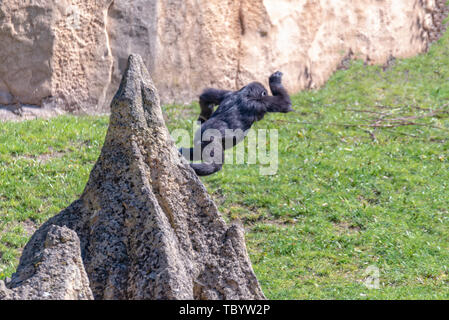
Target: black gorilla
x=228 y=125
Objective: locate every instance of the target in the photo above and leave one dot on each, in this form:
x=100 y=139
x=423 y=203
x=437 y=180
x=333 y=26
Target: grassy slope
x=343 y=198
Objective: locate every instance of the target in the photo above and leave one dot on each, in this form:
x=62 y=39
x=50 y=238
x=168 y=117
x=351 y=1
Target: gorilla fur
x=236 y=112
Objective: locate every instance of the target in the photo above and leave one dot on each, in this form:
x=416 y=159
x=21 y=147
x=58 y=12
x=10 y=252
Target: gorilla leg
x=195 y=153
x=205 y=169
x=186 y=153
x=191 y=154
x=212 y=156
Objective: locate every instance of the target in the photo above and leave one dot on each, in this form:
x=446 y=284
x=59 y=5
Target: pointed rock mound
x=55 y=272
x=147 y=227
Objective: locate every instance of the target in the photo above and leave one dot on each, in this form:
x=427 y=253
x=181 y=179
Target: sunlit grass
x=346 y=195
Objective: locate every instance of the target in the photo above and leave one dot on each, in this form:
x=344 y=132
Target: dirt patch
x=29 y=226
x=45 y=157
x=346 y=228
x=49 y=156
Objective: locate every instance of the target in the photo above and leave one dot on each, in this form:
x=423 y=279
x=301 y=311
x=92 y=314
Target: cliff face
x=70 y=54
x=54 y=52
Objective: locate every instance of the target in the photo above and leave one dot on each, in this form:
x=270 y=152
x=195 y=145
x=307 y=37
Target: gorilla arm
x=208 y=99
x=280 y=100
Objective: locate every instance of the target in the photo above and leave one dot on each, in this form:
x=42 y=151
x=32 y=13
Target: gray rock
x=54 y=272
x=147 y=227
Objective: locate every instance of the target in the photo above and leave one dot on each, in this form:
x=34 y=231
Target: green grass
x=346 y=196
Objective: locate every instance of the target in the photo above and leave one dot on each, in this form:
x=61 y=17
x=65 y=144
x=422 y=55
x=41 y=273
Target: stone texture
x=147 y=227
x=54 y=272
x=71 y=54
x=55 y=53
x=227 y=44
